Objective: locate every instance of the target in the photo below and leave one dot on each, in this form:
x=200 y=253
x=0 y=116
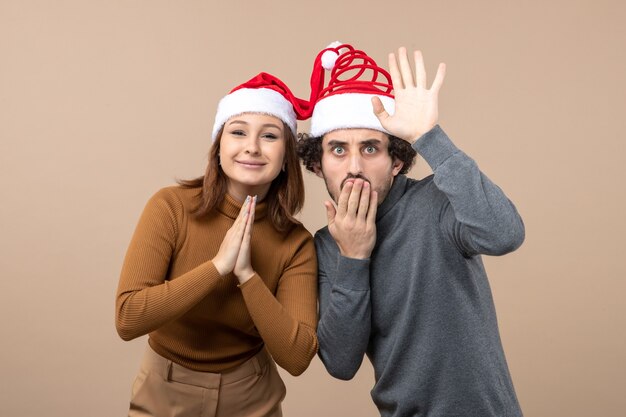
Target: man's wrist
x=417 y=135
x=354 y=254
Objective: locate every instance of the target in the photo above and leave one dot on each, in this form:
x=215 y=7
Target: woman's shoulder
x=176 y=199
x=299 y=236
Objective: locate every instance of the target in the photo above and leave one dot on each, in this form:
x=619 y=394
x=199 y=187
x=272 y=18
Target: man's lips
x=352 y=180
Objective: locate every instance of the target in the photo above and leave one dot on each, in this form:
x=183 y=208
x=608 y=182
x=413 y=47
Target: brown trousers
x=165 y=389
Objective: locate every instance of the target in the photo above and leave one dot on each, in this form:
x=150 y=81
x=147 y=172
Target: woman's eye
x=237 y=133
x=270 y=136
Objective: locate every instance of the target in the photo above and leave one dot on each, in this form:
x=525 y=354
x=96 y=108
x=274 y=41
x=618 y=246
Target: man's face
x=357 y=153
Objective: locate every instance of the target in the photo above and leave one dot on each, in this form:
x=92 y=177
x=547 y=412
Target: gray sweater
x=421 y=307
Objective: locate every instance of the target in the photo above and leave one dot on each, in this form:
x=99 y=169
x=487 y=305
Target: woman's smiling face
x=252 y=153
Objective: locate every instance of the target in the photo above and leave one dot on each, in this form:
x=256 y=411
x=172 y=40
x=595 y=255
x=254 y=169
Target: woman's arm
x=145 y=300
x=287 y=322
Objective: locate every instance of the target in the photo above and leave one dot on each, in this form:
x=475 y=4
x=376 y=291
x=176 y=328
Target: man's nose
x=356 y=164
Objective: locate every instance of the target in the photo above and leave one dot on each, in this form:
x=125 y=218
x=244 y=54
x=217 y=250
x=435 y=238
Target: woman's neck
x=239 y=193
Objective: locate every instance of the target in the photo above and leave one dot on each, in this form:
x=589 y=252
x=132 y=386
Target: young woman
x=221 y=275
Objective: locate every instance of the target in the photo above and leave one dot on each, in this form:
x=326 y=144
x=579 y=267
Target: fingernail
x=247 y=199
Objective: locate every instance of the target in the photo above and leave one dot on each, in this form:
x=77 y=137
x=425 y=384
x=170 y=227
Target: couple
x=225 y=280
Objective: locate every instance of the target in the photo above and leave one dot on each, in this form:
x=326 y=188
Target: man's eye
x=338 y=150
x=370 y=149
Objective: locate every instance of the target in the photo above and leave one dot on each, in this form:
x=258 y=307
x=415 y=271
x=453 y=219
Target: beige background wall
x=104 y=102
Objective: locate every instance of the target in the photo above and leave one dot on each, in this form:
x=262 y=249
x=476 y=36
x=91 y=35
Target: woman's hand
x=228 y=253
x=243 y=268
x=417 y=107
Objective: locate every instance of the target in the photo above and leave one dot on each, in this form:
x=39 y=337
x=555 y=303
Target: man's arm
x=476 y=215
x=345 y=311
x=344 y=280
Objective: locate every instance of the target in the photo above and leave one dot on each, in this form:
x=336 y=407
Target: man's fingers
x=342 y=204
x=420 y=70
x=394 y=72
x=331 y=212
x=373 y=208
x=355 y=196
x=441 y=74
x=364 y=201
x=379 y=110
x=405 y=68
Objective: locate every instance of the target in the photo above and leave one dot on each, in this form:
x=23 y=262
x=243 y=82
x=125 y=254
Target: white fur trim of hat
x=346 y=111
x=254 y=100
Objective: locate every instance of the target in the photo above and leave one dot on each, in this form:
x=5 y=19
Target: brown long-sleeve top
x=170 y=289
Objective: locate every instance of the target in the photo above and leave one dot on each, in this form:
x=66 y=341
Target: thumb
x=330 y=212
x=379 y=110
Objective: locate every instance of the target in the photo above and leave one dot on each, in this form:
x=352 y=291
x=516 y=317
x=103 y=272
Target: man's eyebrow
x=370 y=142
x=335 y=142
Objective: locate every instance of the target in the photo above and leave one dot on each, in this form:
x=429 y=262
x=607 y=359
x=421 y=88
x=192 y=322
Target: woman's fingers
x=243 y=267
x=249 y=223
x=228 y=252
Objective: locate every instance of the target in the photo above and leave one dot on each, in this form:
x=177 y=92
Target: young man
x=400 y=272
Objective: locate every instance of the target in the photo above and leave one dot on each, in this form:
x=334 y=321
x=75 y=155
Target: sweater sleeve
x=287 y=321
x=345 y=311
x=145 y=299
x=475 y=215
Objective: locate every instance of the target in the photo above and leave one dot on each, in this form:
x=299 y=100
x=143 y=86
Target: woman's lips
x=250 y=164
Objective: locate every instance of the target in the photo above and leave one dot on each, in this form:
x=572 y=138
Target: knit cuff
x=435 y=147
x=251 y=281
x=353 y=274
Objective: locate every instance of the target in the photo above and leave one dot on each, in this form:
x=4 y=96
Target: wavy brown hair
x=310 y=150
x=285 y=197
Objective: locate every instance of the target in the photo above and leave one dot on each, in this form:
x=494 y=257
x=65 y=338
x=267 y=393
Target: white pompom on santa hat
x=347 y=100
x=264 y=94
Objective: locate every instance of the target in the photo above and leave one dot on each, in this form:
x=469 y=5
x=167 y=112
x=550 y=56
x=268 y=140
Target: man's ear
x=396 y=166
x=317 y=168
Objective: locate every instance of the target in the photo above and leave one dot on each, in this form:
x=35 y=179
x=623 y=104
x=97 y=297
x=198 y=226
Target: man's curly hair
x=309 y=149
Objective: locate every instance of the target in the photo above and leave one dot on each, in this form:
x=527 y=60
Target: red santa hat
x=265 y=94
x=346 y=102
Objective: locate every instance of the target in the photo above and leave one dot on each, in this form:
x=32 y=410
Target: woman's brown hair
x=284 y=199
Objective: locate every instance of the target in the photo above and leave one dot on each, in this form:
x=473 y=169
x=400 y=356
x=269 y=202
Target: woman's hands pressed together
x=234 y=253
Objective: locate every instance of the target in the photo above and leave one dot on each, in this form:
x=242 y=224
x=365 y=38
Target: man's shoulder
x=322 y=235
x=413 y=184
x=325 y=245
x=424 y=189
